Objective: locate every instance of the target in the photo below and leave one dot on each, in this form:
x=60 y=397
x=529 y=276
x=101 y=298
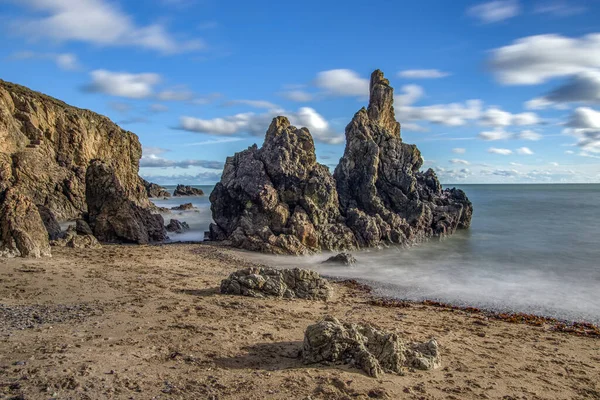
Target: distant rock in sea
x=155 y=191
x=185 y=190
x=278 y=199
x=46 y=147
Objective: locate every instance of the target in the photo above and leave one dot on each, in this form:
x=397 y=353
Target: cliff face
x=47 y=145
x=279 y=199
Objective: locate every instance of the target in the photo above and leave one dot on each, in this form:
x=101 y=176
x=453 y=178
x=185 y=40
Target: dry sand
x=148 y=322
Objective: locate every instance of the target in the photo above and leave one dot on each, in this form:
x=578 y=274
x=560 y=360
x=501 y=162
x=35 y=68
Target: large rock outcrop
x=383 y=196
x=368 y=348
x=112 y=216
x=185 y=190
x=155 y=191
x=46 y=147
x=277 y=198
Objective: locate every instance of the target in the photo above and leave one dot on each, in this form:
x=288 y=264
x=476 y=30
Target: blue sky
x=491 y=91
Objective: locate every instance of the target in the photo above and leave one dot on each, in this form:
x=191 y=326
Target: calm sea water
x=531 y=248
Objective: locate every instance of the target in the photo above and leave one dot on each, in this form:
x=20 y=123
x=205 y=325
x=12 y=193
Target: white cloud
x=177 y=93
x=65 y=61
x=122 y=84
x=554 y=164
x=253 y=103
x=495 y=11
x=423 y=74
x=558 y=8
x=409 y=94
x=342 y=82
x=496 y=134
x=494 y=116
x=569 y=152
x=525 y=151
x=516 y=164
x=95 y=21
x=459 y=161
x=584 y=123
x=257 y=124
x=503 y=152
x=459 y=150
x=216 y=141
x=412 y=127
x=298 y=95
x=537 y=59
x=157 y=108
x=153 y=161
x=528 y=135
x=453 y=114
x=207 y=99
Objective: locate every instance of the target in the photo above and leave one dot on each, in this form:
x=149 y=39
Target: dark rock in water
x=184 y=207
x=184 y=190
x=288 y=283
x=383 y=196
x=112 y=216
x=82 y=227
x=366 y=347
x=341 y=258
x=50 y=222
x=177 y=226
x=278 y=199
x=154 y=190
x=22 y=231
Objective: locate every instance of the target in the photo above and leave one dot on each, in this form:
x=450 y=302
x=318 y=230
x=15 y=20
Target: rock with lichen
x=272 y=282
x=372 y=350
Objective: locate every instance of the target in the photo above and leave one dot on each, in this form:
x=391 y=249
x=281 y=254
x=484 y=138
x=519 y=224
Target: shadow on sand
x=266 y=356
x=208 y=292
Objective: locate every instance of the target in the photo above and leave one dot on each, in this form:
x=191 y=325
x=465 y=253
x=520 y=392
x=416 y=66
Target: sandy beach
x=148 y=322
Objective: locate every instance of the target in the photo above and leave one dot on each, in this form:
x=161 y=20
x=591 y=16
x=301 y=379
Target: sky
x=502 y=91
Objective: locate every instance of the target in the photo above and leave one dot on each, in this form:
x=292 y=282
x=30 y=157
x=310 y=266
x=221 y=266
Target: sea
x=530 y=248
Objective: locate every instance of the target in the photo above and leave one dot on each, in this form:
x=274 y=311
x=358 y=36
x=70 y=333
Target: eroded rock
x=185 y=190
x=112 y=216
x=341 y=258
x=22 y=231
x=50 y=222
x=368 y=348
x=278 y=199
x=287 y=283
x=177 y=226
x=184 y=207
x=383 y=196
x=154 y=190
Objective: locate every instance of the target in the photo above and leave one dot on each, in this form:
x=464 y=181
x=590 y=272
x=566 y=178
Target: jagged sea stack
x=382 y=194
x=278 y=199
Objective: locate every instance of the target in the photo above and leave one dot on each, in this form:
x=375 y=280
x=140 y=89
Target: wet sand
x=148 y=322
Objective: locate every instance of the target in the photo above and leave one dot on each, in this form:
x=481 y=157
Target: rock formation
x=184 y=207
x=184 y=190
x=155 y=191
x=22 y=231
x=277 y=198
x=368 y=348
x=287 y=283
x=112 y=216
x=177 y=226
x=383 y=196
x=342 y=259
x=45 y=149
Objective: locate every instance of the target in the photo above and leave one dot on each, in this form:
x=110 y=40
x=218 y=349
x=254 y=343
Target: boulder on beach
x=341 y=258
x=177 y=226
x=50 y=222
x=154 y=190
x=372 y=350
x=83 y=228
x=278 y=198
x=112 y=216
x=185 y=190
x=22 y=231
x=286 y=283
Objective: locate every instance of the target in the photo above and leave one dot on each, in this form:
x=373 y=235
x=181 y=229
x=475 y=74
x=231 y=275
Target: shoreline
x=149 y=322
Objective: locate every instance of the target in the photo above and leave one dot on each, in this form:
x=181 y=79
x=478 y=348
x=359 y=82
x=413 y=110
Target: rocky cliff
x=46 y=147
x=279 y=199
